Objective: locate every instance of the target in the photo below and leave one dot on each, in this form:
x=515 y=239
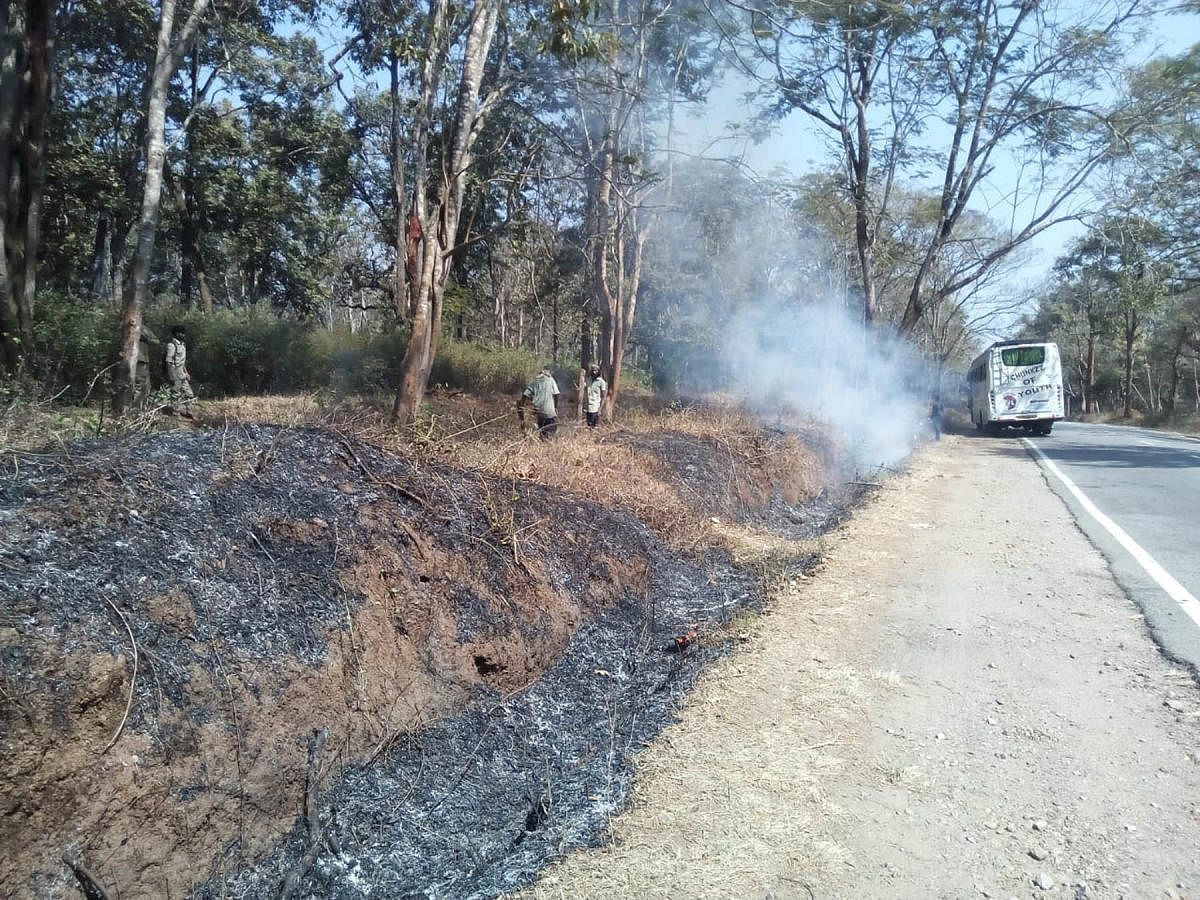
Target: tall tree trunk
x=585 y=357
x=408 y=229
x=26 y=67
x=554 y=340
x=1131 y=325
x=1173 y=388
x=101 y=259
x=11 y=64
x=1089 y=375
x=193 y=276
x=864 y=238
x=439 y=224
x=137 y=287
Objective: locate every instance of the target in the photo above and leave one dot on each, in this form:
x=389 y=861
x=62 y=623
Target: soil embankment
x=482 y=654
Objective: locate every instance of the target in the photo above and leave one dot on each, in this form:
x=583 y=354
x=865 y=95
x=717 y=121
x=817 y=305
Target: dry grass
x=606 y=466
x=639 y=464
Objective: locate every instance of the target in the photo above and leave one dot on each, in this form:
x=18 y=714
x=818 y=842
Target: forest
x=356 y=193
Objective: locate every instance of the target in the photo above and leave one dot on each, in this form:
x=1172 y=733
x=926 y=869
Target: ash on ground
x=486 y=655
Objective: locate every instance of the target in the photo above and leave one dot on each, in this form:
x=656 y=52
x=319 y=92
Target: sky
x=796 y=146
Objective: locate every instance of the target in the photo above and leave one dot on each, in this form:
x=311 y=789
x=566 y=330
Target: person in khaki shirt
x=182 y=398
x=593 y=392
x=541 y=392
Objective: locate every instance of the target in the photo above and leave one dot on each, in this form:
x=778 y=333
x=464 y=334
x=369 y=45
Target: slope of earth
x=480 y=655
x=961 y=704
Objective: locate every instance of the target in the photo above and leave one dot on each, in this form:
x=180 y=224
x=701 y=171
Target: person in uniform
x=182 y=398
x=542 y=391
x=594 y=392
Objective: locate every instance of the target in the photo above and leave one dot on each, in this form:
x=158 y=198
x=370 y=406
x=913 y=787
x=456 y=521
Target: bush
x=255 y=351
x=73 y=343
x=479 y=367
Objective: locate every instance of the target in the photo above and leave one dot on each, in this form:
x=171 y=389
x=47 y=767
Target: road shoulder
x=962 y=670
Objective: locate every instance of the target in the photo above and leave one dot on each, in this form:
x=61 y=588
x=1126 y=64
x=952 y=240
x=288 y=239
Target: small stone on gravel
x=1039 y=853
x=1043 y=881
x=1040 y=825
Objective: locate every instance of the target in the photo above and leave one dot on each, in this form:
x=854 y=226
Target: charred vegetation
x=254 y=660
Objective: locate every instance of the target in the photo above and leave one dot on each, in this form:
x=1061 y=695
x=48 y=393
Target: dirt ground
x=962 y=703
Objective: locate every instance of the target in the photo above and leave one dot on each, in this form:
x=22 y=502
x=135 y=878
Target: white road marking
x=1176 y=591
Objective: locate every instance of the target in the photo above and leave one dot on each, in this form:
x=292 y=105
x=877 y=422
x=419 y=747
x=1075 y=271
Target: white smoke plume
x=818 y=360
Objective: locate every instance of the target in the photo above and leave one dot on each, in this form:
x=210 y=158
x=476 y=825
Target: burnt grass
x=470 y=807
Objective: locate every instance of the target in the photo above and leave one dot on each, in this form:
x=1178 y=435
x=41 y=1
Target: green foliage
x=73 y=342
x=480 y=367
x=256 y=351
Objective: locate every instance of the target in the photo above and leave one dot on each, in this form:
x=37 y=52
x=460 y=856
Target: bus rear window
x=1023 y=356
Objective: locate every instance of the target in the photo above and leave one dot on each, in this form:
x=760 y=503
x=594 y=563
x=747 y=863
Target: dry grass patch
x=685 y=470
x=675 y=468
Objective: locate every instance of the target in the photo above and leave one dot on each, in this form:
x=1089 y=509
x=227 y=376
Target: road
x=1146 y=484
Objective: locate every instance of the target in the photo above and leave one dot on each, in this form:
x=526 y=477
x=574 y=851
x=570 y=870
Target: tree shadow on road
x=1064 y=451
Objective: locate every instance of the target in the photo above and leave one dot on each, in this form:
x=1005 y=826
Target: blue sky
x=796 y=147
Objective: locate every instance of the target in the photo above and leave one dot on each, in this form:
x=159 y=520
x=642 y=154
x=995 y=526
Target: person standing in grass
x=594 y=392
x=182 y=398
x=542 y=391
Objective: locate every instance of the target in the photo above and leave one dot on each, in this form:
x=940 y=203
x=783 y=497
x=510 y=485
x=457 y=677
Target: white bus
x=1016 y=384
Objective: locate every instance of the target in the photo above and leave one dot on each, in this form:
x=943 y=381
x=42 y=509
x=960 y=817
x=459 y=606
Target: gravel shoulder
x=960 y=703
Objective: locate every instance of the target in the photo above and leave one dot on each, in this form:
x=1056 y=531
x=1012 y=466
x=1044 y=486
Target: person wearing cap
x=182 y=398
x=542 y=391
x=594 y=392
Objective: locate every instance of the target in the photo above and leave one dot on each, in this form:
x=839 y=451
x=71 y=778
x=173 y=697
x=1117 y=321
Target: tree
x=26 y=66
x=167 y=58
x=431 y=228
x=628 y=68
x=1124 y=254
x=960 y=92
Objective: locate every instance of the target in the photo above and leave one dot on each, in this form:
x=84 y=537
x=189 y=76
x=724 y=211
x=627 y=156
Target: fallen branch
x=291 y=882
x=418 y=544
x=866 y=483
x=88 y=883
x=371 y=479
x=132 y=681
x=261 y=547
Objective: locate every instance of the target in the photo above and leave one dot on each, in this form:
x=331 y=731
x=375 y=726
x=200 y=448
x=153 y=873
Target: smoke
x=818 y=360
x=747 y=271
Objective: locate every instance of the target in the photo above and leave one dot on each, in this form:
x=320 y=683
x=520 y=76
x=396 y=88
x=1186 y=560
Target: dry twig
x=132 y=680
x=291 y=882
x=88 y=883
x=371 y=479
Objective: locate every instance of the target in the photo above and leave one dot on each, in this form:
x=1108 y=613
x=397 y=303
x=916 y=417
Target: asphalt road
x=1146 y=484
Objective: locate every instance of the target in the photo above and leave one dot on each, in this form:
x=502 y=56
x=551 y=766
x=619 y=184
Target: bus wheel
x=1045 y=429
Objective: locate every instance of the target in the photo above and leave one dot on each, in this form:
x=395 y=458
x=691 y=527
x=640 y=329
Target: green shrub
x=255 y=351
x=479 y=367
x=73 y=343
